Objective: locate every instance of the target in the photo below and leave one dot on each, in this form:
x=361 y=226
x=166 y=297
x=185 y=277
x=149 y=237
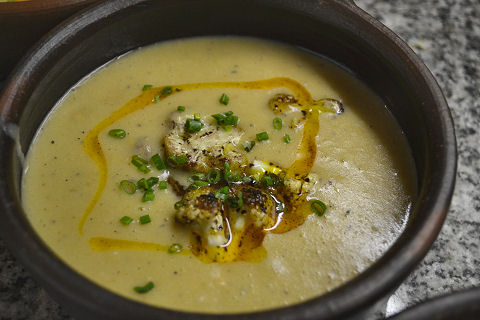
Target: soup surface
x=286 y=150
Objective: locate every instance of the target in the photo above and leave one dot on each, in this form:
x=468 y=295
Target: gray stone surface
x=446 y=35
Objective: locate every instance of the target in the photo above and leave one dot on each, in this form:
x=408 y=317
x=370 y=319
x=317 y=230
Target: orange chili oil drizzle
x=246 y=244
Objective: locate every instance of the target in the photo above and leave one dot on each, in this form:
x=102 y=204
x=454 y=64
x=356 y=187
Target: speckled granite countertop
x=446 y=35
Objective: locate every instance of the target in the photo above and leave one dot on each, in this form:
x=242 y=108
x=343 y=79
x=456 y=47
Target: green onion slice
x=222 y=193
x=156 y=99
x=147 y=87
x=214 y=176
x=152 y=181
x=193 y=125
x=117 y=133
x=248 y=145
x=140 y=163
x=178 y=205
x=262 y=136
x=145 y=219
x=149 y=286
x=181 y=108
x=142 y=184
x=162 y=185
x=318 y=207
x=196 y=116
x=267 y=181
x=277 y=123
x=158 y=162
x=197 y=176
x=224 y=99
x=148 y=196
x=286 y=138
x=175 y=248
x=128 y=186
x=174 y=162
x=237 y=202
x=126 y=220
x=166 y=90
x=199 y=183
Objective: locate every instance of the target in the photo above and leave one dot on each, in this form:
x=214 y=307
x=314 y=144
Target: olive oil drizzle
x=108 y=244
x=94 y=149
x=306 y=154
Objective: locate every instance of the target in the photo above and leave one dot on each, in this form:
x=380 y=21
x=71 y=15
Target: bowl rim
x=365 y=289
x=32 y=6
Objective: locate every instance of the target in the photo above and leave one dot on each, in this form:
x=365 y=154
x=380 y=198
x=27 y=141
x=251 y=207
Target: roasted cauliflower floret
x=208 y=148
x=299 y=186
x=203 y=212
x=258 y=206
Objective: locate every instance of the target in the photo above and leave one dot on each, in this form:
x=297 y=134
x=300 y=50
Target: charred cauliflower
x=209 y=147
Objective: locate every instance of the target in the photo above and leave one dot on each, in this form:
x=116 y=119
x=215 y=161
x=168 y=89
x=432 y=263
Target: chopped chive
x=227 y=172
x=286 y=138
x=267 y=181
x=247 y=179
x=224 y=99
x=181 y=159
x=196 y=116
x=240 y=199
x=152 y=181
x=200 y=183
x=148 y=196
x=166 y=90
x=126 y=220
x=248 y=145
x=214 y=175
x=149 y=286
x=140 y=164
x=147 y=87
x=156 y=99
x=175 y=248
x=181 y=108
x=128 y=186
x=318 y=207
x=145 y=219
x=174 y=162
x=143 y=184
x=158 y=162
x=277 y=123
x=222 y=193
x=197 y=176
x=226 y=120
x=193 y=125
x=178 y=205
x=162 y=185
x=262 y=136
x=117 y=133
x=237 y=201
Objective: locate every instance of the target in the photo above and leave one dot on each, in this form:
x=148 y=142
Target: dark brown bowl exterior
x=336 y=29
x=464 y=305
x=23 y=23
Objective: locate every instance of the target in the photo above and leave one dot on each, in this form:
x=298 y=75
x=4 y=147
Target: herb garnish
x=149 y=286
x=224 y=99
x=117 y=133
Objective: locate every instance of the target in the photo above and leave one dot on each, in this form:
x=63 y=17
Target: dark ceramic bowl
x=336 y=29
x=23 y=23
x=464 y=305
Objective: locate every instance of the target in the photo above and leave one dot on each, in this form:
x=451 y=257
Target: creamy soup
x=219 y=174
